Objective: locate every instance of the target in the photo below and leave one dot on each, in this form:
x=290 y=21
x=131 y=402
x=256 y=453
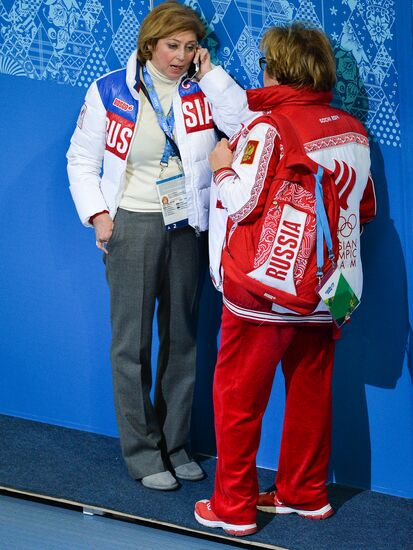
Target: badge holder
x=333 y=288
x=171 y=191
x=172 y=196
x=338 y=296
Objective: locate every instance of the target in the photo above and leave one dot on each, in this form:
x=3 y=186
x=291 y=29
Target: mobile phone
x=193 y=70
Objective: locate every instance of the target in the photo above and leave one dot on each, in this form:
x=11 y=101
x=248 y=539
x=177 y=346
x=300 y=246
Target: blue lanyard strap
x=165 y=122
x=323 y=228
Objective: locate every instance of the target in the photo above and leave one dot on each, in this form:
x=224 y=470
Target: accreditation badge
x=172 y=196
x=338 y=296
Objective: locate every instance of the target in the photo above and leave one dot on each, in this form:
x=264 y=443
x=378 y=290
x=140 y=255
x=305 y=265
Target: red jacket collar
x=270 y=97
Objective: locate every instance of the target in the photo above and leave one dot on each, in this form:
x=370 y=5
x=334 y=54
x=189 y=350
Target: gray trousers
x=146 y=264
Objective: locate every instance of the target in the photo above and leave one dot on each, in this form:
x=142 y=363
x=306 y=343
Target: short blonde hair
x=300 y=57
x=163 y=21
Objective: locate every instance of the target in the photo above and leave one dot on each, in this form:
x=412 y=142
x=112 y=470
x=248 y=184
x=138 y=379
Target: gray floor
x=28 y=525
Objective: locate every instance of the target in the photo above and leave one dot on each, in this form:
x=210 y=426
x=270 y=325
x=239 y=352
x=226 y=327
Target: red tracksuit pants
x=244 y=374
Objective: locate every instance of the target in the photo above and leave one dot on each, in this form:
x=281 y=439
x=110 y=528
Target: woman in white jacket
x=152 y=128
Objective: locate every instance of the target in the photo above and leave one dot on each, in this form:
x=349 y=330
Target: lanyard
x=323 y=228
x=165 y=122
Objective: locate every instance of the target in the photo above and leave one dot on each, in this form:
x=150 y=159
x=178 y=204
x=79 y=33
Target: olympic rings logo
x=346 y=225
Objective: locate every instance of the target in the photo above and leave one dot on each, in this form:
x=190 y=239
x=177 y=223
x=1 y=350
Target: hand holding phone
x=202 y=63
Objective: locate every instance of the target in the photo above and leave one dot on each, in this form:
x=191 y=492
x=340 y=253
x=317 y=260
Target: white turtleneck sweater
x=143 y=168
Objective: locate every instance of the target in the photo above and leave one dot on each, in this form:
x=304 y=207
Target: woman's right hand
x=103 y=225
x=221 y=156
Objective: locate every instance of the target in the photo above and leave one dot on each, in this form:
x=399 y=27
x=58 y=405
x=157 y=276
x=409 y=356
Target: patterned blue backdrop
x=54 y=314
x=73 y=42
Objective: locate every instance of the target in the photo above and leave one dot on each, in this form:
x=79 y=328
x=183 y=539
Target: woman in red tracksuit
x=299 y=74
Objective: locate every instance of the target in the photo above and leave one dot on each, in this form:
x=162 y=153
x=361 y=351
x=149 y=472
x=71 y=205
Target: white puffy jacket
x=108 y=120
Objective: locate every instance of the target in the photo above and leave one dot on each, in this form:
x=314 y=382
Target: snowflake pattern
x=73 y=42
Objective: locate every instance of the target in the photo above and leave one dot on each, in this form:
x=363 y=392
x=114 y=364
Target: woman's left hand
x=203 y=58
x=221 y=156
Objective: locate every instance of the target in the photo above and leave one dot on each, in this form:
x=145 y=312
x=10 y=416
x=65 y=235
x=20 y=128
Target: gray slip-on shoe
x=163 y=481
x=189 y=471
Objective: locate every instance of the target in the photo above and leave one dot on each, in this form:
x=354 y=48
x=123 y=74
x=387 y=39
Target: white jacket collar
x=131 y=77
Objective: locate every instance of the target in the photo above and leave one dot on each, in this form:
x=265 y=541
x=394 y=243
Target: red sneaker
x=269 y=502
x=205 y=516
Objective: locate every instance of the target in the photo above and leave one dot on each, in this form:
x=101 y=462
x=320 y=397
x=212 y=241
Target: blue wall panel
x=54 y=314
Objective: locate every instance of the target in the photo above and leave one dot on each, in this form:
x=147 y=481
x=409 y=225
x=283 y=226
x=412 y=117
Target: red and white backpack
x=274 y=257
